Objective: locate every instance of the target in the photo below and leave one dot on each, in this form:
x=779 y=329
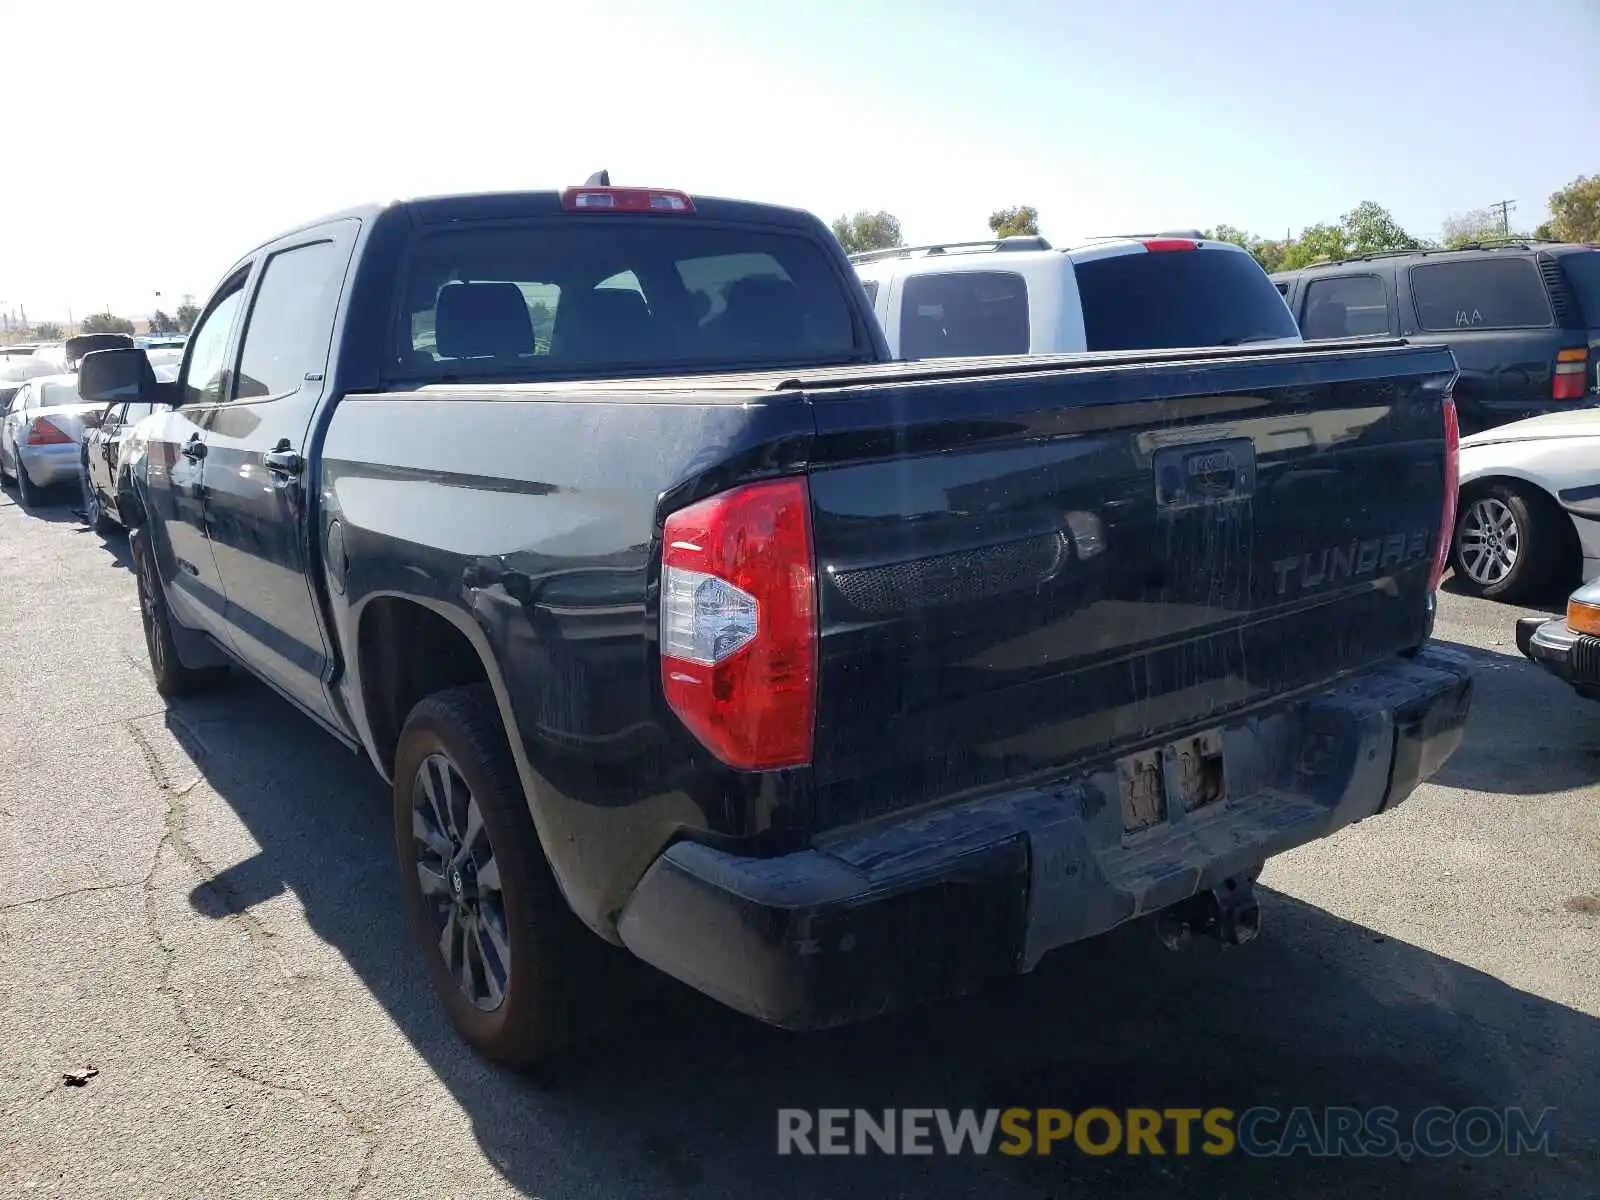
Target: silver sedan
x=39 y=440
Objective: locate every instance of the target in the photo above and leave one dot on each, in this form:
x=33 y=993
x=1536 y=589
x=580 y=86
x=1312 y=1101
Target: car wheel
x=1509 y=543
x=27 y=494
x=504 y=952
x=94 y=512
x=172 y=677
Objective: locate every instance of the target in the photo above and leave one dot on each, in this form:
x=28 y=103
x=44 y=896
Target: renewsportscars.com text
x=1258 y=1132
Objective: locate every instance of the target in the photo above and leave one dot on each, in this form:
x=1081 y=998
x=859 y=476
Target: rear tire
x=1510 y=543
x=27 y=494
x=172 y=677
x=522 y=965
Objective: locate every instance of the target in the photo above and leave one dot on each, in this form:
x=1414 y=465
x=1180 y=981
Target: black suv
x=1523 y=318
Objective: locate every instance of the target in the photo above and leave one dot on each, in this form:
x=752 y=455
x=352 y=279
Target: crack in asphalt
x=70 y=892
x=175 y=838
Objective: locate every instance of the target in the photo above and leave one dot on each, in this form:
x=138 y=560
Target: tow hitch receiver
x=1228 y=912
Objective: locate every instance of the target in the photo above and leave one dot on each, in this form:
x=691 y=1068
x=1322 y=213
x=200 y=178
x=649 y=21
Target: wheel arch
x=408 y=647
x=1571 y=543
x=381 y=706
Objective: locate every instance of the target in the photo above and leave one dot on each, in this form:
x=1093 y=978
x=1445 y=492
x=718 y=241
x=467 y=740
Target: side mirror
x=106 y=376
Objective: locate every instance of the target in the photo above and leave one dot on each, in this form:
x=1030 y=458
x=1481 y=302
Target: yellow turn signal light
x=1583 y=618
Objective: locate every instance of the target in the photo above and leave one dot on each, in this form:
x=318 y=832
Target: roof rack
x=1499 y=243
x=1023 y=241
x=1483 y=244
x=1199 y=235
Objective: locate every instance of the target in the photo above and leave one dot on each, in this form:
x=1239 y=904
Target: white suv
x=1018 y=295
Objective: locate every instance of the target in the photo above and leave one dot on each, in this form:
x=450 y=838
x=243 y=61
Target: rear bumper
x=1573 y=657
x=935 y=903
x=48 y=465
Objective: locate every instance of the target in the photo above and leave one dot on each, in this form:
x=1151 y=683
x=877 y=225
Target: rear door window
x=957 y=314
x=870 y=286
x=291 y=321
x=1488 y=293
x=1151 y=300
x=581 y=297
x=1345 y=306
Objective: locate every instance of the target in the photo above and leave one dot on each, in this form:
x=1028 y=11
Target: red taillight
x=628 y=200
x=1169 y=244
x=739 y=623
x=42 y=433
x=1571 y=375
x=1452 y=484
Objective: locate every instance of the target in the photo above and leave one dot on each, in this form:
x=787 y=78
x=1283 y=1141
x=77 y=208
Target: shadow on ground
x=59 y=504
x=1529 y=733
x=62 y=504
x=1554 y=601
x=683 y=1101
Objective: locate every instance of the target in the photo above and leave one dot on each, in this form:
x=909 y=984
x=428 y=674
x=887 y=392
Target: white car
x=1020 y=295
x=1528 y=519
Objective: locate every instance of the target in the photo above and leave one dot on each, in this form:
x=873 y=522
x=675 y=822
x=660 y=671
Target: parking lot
x=200 y=902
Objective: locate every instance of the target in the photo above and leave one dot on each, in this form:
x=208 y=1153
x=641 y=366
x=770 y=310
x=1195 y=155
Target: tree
x=1476 y=225
x=1316 y=243
x=1369 y=228
x=161 y=323
x=868 y=231
x=186 y=316
x=1010 y=222
x=1268 y=254
x=47 y=331
x=1575 y=212
x=107 y=322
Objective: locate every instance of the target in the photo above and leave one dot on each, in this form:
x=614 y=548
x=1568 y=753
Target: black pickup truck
x=680 y=619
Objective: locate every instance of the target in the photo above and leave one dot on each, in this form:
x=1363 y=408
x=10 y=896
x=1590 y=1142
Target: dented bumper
x=936 y=902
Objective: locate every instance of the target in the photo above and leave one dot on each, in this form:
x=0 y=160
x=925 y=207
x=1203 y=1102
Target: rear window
x=1489 y=293
x=1345 y=306
x=958 y=314
x=609 y=296
x=59 y=393
x=1159 y=299
x=1582 y=269
x=870 y=286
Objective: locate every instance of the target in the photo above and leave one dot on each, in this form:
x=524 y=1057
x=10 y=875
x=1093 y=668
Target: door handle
x=194 y=449
x=284 y=461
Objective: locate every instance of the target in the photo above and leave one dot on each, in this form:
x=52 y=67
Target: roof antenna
x=598 y=179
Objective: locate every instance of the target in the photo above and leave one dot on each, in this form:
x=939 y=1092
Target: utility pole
x=1504 y=207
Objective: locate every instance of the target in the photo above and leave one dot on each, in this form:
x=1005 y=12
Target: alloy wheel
x=460 y=881
x=1489 y=541
x=145 y=582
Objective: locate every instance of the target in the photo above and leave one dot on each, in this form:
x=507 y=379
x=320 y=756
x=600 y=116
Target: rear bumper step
x=937 y=902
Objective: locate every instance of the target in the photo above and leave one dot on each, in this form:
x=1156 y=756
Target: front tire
x=1509 y=543
x=94 y=513
x=504 y=952
x=172 y=677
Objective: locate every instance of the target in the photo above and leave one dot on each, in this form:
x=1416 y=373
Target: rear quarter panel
x=531 y=525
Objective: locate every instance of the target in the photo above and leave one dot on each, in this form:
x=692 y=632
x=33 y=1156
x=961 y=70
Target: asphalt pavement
x=200 y=902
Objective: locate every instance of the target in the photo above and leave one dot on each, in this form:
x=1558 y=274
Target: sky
x=152 y=145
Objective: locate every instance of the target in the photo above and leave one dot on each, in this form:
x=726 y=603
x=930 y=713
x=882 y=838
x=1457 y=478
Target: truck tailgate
x=1020 y=571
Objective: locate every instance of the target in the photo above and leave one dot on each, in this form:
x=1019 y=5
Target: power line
x=1504 y=207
